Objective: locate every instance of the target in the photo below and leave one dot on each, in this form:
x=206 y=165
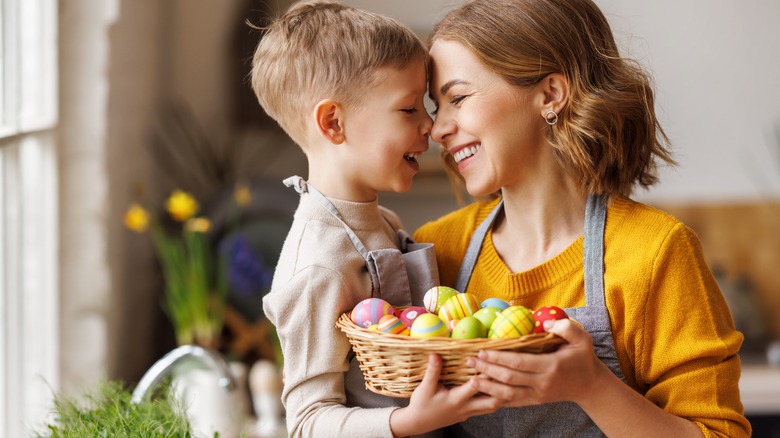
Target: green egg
x=487 y=315
x=469 y=328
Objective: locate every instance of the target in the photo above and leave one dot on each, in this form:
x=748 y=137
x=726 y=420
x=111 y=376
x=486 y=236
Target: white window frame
x=29 y=302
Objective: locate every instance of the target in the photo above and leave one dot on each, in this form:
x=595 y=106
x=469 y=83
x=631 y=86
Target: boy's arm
x=304 y=312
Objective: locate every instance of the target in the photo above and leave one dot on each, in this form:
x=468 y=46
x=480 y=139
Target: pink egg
x=370 y=311
x=410 y=314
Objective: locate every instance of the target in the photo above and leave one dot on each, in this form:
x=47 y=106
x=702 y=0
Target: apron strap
x=475 y=245
x=593 y=250
x=390 y=273
x=302 y=187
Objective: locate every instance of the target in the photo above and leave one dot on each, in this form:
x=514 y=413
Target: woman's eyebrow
x=449 y=84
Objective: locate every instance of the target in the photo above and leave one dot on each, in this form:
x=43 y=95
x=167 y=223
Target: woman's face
x=494 y=130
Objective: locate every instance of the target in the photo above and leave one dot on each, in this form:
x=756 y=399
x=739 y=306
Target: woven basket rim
x=382 y=339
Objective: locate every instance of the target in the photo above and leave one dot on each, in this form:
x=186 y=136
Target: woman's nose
x=441 y=128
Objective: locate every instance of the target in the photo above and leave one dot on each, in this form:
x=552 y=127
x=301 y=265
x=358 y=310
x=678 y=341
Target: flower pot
x=210 y=407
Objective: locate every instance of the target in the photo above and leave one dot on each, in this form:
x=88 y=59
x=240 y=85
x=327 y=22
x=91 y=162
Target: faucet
x=162 y=367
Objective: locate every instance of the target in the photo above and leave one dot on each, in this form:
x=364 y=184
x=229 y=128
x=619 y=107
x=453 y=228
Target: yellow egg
x=513 y=322
x=429 y=325
x=459 y=307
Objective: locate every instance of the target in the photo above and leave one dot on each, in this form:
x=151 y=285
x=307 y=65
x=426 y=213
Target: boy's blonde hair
x=324 y=49
x=607 y=137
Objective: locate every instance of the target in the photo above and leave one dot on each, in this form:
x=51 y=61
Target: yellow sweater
x=673 y=332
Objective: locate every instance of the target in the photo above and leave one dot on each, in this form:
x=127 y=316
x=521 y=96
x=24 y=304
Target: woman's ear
x=329 y=120
x=555 y=89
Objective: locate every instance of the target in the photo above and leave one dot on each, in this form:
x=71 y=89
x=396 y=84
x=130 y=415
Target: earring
x=551 y=117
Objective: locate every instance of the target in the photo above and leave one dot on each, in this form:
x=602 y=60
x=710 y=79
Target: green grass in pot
x=109 y=412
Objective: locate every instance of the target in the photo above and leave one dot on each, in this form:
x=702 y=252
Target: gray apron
x=399 y=276
x=562 y=419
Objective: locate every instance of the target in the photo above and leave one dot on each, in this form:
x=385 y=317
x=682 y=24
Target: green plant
x=195 y=289
x=109 y=412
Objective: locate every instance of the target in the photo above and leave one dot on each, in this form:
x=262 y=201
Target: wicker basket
x=393 y=365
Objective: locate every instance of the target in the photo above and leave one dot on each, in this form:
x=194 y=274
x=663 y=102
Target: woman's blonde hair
x=607 y=137
x=324 y=49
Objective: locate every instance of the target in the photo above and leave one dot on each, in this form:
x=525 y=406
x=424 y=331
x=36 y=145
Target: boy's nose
x=427 y=125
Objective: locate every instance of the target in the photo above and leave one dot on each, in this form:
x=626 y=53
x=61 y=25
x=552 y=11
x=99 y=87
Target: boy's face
x=387 y=132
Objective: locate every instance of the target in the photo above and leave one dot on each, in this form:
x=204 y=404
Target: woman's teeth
x=412 y=156
x=466 y=152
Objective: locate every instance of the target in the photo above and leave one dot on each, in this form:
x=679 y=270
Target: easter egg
x=547 y=313
x=409 y=314
x=469 y=328
x=428 y=325
x=512 y=322
x=494 y=302
x=451 y=325
x=487 y=315
x=458 y=307
x=436 y=296
x=373 y=327
x=370 y=311
x=393 y=325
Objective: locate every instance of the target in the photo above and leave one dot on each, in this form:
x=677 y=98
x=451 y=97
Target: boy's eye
x=409 y=110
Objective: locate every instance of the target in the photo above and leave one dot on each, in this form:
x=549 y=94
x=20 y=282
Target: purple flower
x=247 y=274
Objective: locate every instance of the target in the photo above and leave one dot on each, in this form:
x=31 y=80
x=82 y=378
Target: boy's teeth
x=466 y=152
x=412 y=155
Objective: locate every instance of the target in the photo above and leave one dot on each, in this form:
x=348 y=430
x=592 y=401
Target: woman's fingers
x=509 y=395
x=570 y=330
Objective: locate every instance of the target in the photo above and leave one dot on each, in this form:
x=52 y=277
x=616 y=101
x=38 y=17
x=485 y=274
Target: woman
x=535 y=104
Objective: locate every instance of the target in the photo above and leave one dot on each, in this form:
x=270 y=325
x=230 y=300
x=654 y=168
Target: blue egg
x=494 y=302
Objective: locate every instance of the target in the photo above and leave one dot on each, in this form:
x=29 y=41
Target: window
x=28 y=214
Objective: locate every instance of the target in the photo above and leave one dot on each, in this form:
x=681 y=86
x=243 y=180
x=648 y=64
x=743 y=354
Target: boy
x=348 y=86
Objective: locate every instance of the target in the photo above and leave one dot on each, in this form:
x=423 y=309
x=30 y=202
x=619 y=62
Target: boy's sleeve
x=688 y=362
x=304 y=312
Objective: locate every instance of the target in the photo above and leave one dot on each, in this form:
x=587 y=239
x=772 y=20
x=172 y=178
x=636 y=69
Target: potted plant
x=109 y=412
x=195 y=286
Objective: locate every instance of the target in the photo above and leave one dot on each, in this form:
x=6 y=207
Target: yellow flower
x=137 y=218
x=243 y=195
x=198 y=225
x=181 y=205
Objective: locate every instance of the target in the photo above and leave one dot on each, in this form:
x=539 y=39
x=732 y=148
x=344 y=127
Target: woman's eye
x=409 y=110
x=457 y=99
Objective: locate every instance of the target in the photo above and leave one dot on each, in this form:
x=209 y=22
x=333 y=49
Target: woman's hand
x=574 y=373
x=433 y=406
x=523 y=379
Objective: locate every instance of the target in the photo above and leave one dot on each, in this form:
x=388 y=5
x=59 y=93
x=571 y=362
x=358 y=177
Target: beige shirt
x=320 y=275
